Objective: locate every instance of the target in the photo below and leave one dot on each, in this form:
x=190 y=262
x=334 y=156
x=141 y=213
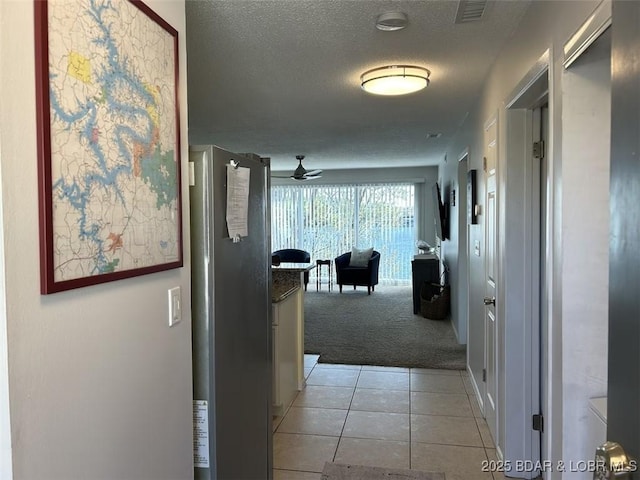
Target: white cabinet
x=288 y=350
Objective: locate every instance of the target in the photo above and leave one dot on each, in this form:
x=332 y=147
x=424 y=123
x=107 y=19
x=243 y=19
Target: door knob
x=490 y=301
x=612 y=462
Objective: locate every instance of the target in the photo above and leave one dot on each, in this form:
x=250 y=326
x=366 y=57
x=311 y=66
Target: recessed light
x=391 y=21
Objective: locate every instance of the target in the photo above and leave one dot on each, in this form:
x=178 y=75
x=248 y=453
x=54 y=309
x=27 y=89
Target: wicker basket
x=434 y=301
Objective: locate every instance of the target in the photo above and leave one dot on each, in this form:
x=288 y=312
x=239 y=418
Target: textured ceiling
x=280 y=78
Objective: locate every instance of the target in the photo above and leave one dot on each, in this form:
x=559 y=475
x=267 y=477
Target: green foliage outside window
x=327 y=220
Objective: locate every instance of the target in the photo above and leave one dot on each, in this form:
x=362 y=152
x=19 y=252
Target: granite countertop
x=286 y=279
x=283 y=285
x=281 y=292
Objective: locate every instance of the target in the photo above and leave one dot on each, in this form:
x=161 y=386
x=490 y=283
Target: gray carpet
x=377 y=329
x=337 y=471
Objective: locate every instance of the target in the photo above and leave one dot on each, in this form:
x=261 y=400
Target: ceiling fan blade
x=298 y=178
x=302 y=178
x=302 y=173
x=308 y=177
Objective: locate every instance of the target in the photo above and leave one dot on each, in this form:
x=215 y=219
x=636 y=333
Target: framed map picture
x=108 y=142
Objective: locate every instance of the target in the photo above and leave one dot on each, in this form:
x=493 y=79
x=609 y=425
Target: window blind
x=328 y=220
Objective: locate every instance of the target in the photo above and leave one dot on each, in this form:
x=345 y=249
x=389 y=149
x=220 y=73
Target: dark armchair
x=294 y=255
x=362 y=276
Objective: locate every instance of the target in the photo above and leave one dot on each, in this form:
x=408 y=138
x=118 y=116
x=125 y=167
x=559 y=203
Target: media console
x=424 y=268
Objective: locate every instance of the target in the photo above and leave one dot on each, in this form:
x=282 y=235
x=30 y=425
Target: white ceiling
x=281 y=77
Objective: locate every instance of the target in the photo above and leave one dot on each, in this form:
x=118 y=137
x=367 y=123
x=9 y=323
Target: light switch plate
x=175 y=306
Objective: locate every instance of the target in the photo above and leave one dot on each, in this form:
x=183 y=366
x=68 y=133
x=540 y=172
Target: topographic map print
x=113 y=139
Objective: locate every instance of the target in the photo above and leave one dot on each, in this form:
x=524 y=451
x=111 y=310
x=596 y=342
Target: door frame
x=519 y=209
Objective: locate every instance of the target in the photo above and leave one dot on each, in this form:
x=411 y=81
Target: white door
x=490 y=319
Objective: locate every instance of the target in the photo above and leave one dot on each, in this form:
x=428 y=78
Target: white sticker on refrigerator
x=201 y=433
x=238 y=183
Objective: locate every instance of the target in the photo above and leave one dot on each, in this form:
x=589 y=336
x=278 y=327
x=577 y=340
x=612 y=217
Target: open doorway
x=586 y=126
x=353 y=325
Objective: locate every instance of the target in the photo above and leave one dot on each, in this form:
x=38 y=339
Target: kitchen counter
x=287 y=297
x=283 y=287
x=293 y=267
x=286 y=279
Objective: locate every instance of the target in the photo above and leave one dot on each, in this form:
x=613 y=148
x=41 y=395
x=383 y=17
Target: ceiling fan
x=302 y=173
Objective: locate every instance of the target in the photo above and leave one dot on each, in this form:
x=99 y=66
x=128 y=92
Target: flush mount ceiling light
x=391 y=21
x=395 y=80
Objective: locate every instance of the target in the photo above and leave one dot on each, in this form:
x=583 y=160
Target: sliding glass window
x=328 y=220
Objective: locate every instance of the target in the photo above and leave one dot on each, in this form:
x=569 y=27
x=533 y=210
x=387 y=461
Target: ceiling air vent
x=470 y=10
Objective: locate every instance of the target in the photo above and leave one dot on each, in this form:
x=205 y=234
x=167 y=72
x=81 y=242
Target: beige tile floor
x=382 y=416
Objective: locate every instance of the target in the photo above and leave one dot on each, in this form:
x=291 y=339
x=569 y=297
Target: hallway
x=383 y=416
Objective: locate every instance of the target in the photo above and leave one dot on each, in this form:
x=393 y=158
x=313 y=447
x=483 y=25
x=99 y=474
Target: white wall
x=450 y=248
x=547 y=25
x=99 y=385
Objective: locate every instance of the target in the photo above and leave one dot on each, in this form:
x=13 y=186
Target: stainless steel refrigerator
x=231 y=304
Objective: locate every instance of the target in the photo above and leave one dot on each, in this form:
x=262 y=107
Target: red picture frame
x=108 y=118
